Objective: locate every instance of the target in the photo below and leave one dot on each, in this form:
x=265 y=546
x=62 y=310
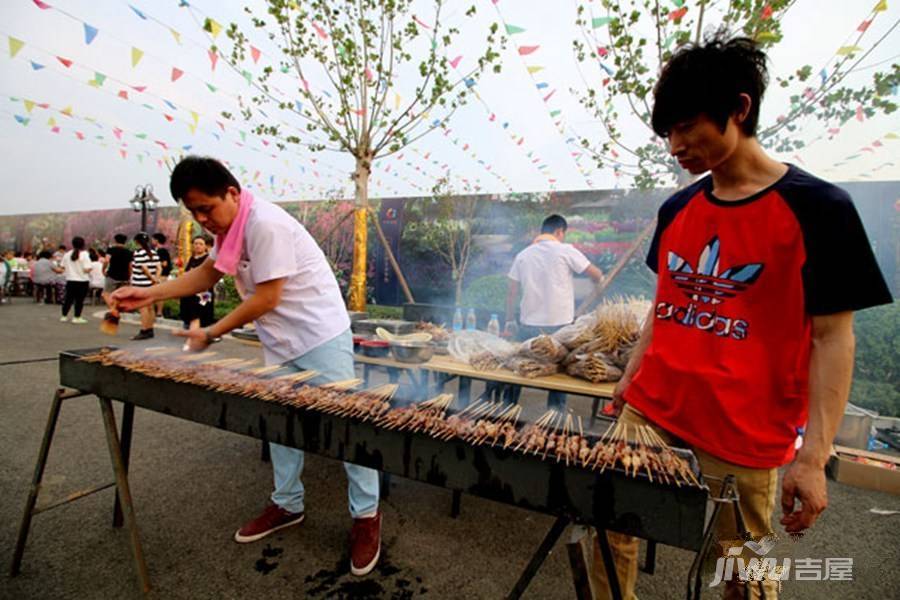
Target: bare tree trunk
x=357 y=300
x=392 y=259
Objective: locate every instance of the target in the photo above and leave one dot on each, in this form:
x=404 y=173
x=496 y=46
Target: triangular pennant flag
x=766 y=12
x=65 y=61
x=526 y=50
x=212 y=26
x=192 y=127
x=138 y=12
x=42 y=5
x=299 y=106
x=176 y=73
x=512 y=29
x=139 y=88
x=175 y=35
x=67 y=111
x=535 y=69
x=36 y=66
x=455 y=62
x=136 y=55
x=213 y=57
x=117 y=132
x=14 y=46
x=123 y=94
x=79 y=135
x=99 y=78
x=248 y=76
x=848 y=50
x=29 y=104
x=881 y=6
x=320 y=31
x=542 y=85
x=170 y=105
x=22 y=120
x=168 y=118
x=212 y=88
x=555 y=113
x=600 y=21
x=51 y=122
x=676 y=15
x=864 y=25
x=89 y=33
x=141 y=136
x=243 y=136
x=255 y=54
x=124 y=153
x=195 y=117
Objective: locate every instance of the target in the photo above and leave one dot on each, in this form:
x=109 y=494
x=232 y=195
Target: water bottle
x=471 y=321
x=457 y=320
x=493 y=327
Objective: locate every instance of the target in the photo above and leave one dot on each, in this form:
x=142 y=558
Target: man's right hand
x=618 y=398
x=131 y=298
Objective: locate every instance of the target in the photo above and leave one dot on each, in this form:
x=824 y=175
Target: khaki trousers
x=757 y=489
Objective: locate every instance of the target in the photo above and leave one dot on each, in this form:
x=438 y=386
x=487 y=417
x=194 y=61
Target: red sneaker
x=365 y=544
x=272 y=519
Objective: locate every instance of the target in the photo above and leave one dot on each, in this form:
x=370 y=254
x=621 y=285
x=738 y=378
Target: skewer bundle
x=484 y=361
x=594 y=367
x=530 y=368
x=543 y=348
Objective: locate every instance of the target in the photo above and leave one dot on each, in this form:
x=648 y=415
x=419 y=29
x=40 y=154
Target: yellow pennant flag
x=891 y=136
x=535 y=69
x=14 y=46
x=51 y=122
x=195 y=116
x=192 y=127
x=213 y=27
x=396 y=101
x=848 y=50
x=136 y=55
x=93 y=83
x=175 y=35
x=29 y=104
x=881 y=6
x=67 y=111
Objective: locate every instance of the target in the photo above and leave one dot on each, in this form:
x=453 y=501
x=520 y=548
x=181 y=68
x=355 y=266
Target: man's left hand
x=803 y=481
x=196 y=340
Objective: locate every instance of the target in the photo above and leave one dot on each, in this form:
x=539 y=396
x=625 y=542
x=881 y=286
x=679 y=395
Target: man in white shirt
x=544 y=273
x=290 y=292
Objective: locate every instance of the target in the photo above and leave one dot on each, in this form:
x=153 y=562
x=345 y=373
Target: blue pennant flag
x=89 y=33
x=36 y=66
x=138 y=12
x=172 y=106
x=22 y=120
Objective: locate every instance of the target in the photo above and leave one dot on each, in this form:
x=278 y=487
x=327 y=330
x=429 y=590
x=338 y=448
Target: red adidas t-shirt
x=738 y=282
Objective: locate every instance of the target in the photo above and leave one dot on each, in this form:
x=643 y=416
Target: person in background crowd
x=118 y=265
x=97 y=278
x=44 y=276
x=544 y=273
x=199 y=306
x=58 y=254
x=6 y=270
x=77 y=265
x=158 y=242
x=145 y=272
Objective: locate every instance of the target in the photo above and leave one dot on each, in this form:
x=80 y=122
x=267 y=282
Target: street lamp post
x=143 y=202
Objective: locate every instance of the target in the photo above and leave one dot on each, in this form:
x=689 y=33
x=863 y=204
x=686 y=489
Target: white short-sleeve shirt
x=311 y=311
x=544 y=271
x=77 y=270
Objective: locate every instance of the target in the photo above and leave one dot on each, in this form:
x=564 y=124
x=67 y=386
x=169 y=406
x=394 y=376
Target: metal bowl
x=412 y=352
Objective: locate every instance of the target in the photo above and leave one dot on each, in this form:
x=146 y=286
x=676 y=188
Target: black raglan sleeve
x=840 y=273
x=666 y=215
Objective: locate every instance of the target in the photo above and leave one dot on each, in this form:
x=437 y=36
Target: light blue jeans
x=334 y=361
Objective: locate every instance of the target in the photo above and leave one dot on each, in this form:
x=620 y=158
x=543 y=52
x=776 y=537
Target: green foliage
x=487 y=293
x=877 y=368
x=381 y=311
x=229 y=292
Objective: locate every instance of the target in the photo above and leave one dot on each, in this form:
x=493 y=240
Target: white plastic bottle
x=493 y=327
x=457 y=320
x=471 y=320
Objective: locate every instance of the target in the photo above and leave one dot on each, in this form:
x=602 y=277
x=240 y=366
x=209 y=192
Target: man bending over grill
x=760 y=266
x=289 y=291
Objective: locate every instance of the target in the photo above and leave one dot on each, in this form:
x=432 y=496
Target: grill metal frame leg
x=125 y=444
x=124 y=492
x=543 y=551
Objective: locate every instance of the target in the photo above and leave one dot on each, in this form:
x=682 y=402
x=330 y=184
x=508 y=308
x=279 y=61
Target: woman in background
x=199 y=306
x=77 y=265
x=146 y=271
x=97 y=277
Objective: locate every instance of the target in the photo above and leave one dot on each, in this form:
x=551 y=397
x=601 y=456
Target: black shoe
x=143 y=334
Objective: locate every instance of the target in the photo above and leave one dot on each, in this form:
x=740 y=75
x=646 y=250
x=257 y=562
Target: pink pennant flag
x=455 y=62
x=798 y=159
x=614 y=153
x=864 y=25
x=421 y=22
x=55 y=129
x=65 y=61
x=255 y=54
x=213 y=58
x=602 y=52
x=221 y=126
x=42 y=5
x=168 y=118
x=606 y=82
x=265 y=142
x=877 y=144
x=369 y=75
x=163 y=145
x=526 y=50
x=521 y=141
x=766 y=12
x=117 y=132
x=676 y=15
x=320 y=31
x=867 y=149
x=548 y=96
x=859 y=113
x=359 y=112
x=139 y=88
x=176 y=73
x=834 y=130
x=123 y=153
x=123 y=94
x=492 y=118
x=79 y=135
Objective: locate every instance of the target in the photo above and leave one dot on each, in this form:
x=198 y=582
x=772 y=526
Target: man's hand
x=803 y=481
x=614 y=409
x=131 y=298
x=196 y=340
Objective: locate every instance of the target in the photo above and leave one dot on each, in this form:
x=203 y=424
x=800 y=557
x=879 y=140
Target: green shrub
x=487 y=293
x=382 y=311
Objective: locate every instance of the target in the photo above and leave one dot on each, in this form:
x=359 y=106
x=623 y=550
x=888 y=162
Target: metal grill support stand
x=119 y=450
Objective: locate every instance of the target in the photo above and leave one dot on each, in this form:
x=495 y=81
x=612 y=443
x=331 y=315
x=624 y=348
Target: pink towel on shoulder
x=229 y=244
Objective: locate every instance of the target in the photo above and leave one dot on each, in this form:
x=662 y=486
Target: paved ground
x=194 y=485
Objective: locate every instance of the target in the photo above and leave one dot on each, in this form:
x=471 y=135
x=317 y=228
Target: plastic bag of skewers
x=574 y=334
x=465 y=345
x=529 y=367
x=543 y=348
x=595 y=367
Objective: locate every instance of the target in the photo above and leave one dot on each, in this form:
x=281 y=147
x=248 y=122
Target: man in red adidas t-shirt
x=760 y=266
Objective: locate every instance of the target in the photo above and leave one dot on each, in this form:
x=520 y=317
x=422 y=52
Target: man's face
x=214 y=213
x=199 y=247
x=700 y=145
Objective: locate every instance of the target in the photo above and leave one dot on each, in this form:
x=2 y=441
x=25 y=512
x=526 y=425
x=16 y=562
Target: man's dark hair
x=709 y=79
x=552 y=223
x=45 y=254
x=203 y=174
x=159 y=237
x=120 y=238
